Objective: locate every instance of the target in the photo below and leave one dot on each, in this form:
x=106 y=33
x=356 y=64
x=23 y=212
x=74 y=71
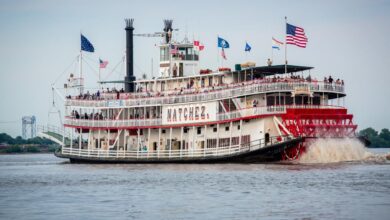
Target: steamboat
x=186 y=115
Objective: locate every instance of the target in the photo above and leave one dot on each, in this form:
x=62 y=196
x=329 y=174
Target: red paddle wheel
x=316 y=123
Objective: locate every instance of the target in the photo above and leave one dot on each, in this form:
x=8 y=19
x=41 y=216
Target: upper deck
x=209 y=93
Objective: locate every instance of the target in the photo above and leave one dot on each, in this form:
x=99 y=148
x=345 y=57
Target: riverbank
x=27 y=149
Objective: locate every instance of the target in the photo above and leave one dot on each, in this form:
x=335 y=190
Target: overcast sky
x=40 y=39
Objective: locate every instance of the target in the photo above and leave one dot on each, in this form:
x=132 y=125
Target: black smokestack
x=129 y=78
x=168 y=30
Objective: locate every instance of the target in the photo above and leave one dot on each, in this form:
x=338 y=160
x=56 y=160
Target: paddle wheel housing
x=316 y=123
x=319 y=123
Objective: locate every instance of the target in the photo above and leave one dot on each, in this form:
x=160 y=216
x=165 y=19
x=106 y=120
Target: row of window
x=225 y=142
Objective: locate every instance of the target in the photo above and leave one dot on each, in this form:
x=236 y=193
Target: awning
x=276 y=69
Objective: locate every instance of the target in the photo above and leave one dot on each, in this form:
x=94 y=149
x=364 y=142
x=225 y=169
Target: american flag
x=102 y=64
x=296 y=36
x=173 y=49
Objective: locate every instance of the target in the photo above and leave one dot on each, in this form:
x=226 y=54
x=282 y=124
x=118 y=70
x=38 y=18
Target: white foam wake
x=330 y=150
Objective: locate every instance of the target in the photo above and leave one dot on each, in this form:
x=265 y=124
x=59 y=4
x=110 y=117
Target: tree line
x=20 y=145
x=377 y=139
x=37 y=144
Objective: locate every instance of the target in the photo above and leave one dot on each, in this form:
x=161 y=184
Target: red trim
x=319 y=122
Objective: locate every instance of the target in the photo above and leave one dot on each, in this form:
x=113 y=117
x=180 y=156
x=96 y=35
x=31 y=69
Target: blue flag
x=247 y=47
x=86 y=45
x=223 y=43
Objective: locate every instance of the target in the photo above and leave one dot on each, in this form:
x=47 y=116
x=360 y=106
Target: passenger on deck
x=308 y=78
x=330 y=79
x=174 y=70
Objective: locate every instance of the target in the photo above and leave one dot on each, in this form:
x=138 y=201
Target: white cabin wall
x=255 y=128
x=269 y=126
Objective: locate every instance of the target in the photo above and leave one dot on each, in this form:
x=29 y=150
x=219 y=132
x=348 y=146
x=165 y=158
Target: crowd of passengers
x=193 y=88
x=99 y=116
x=96 y=116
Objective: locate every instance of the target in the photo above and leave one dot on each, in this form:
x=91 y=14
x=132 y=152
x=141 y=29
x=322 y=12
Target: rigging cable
x=67 y=68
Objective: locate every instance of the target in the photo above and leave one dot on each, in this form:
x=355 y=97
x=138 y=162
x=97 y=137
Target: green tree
x=32 y=149
x=14 y=149
x=5 y=138
x=19 y=140
x=385 y=134
x=369 y=133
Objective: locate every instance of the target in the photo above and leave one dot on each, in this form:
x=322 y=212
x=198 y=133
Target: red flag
x=198 y=46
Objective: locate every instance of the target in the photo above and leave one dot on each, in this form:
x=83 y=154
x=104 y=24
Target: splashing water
x=329 y=150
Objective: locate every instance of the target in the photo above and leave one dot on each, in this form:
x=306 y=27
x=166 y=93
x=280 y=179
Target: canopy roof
x=276 y=69
x=113 y=81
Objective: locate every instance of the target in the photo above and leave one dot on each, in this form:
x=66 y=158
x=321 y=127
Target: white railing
x=182 y=153
x=241 y=113
x=112 y=123
x=155 y=122
x=253 y=87
x=50 y=129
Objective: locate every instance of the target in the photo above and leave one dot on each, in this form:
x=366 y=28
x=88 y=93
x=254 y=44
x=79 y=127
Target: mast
x=100 y=82
x=81 y=72
x=168 y=38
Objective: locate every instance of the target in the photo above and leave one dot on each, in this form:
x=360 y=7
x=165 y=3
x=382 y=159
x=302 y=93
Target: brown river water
x=41 y=186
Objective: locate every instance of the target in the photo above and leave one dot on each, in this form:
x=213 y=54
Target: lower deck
x=262 y=150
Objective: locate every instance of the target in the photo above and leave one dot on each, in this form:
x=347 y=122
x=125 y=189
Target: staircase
x=54 y=134
x=227 y=107
x=317 y=122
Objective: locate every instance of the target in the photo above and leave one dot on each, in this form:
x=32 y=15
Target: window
x=215 y=129
x=164 y=55
x=227 y=128
x=238 y=127
x=163 y=131
x=199 y=130
x=270 y=100
x=289 y=100
x=316 y=100
x=185 y=130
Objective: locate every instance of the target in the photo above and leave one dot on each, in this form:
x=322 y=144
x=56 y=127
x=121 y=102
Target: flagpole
x=99 y=73
x=193 y=53
x=217 y=53
x=81 y=72
x=170 y=60
x=222 y=57
x=285 y=47
x=246 y=52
